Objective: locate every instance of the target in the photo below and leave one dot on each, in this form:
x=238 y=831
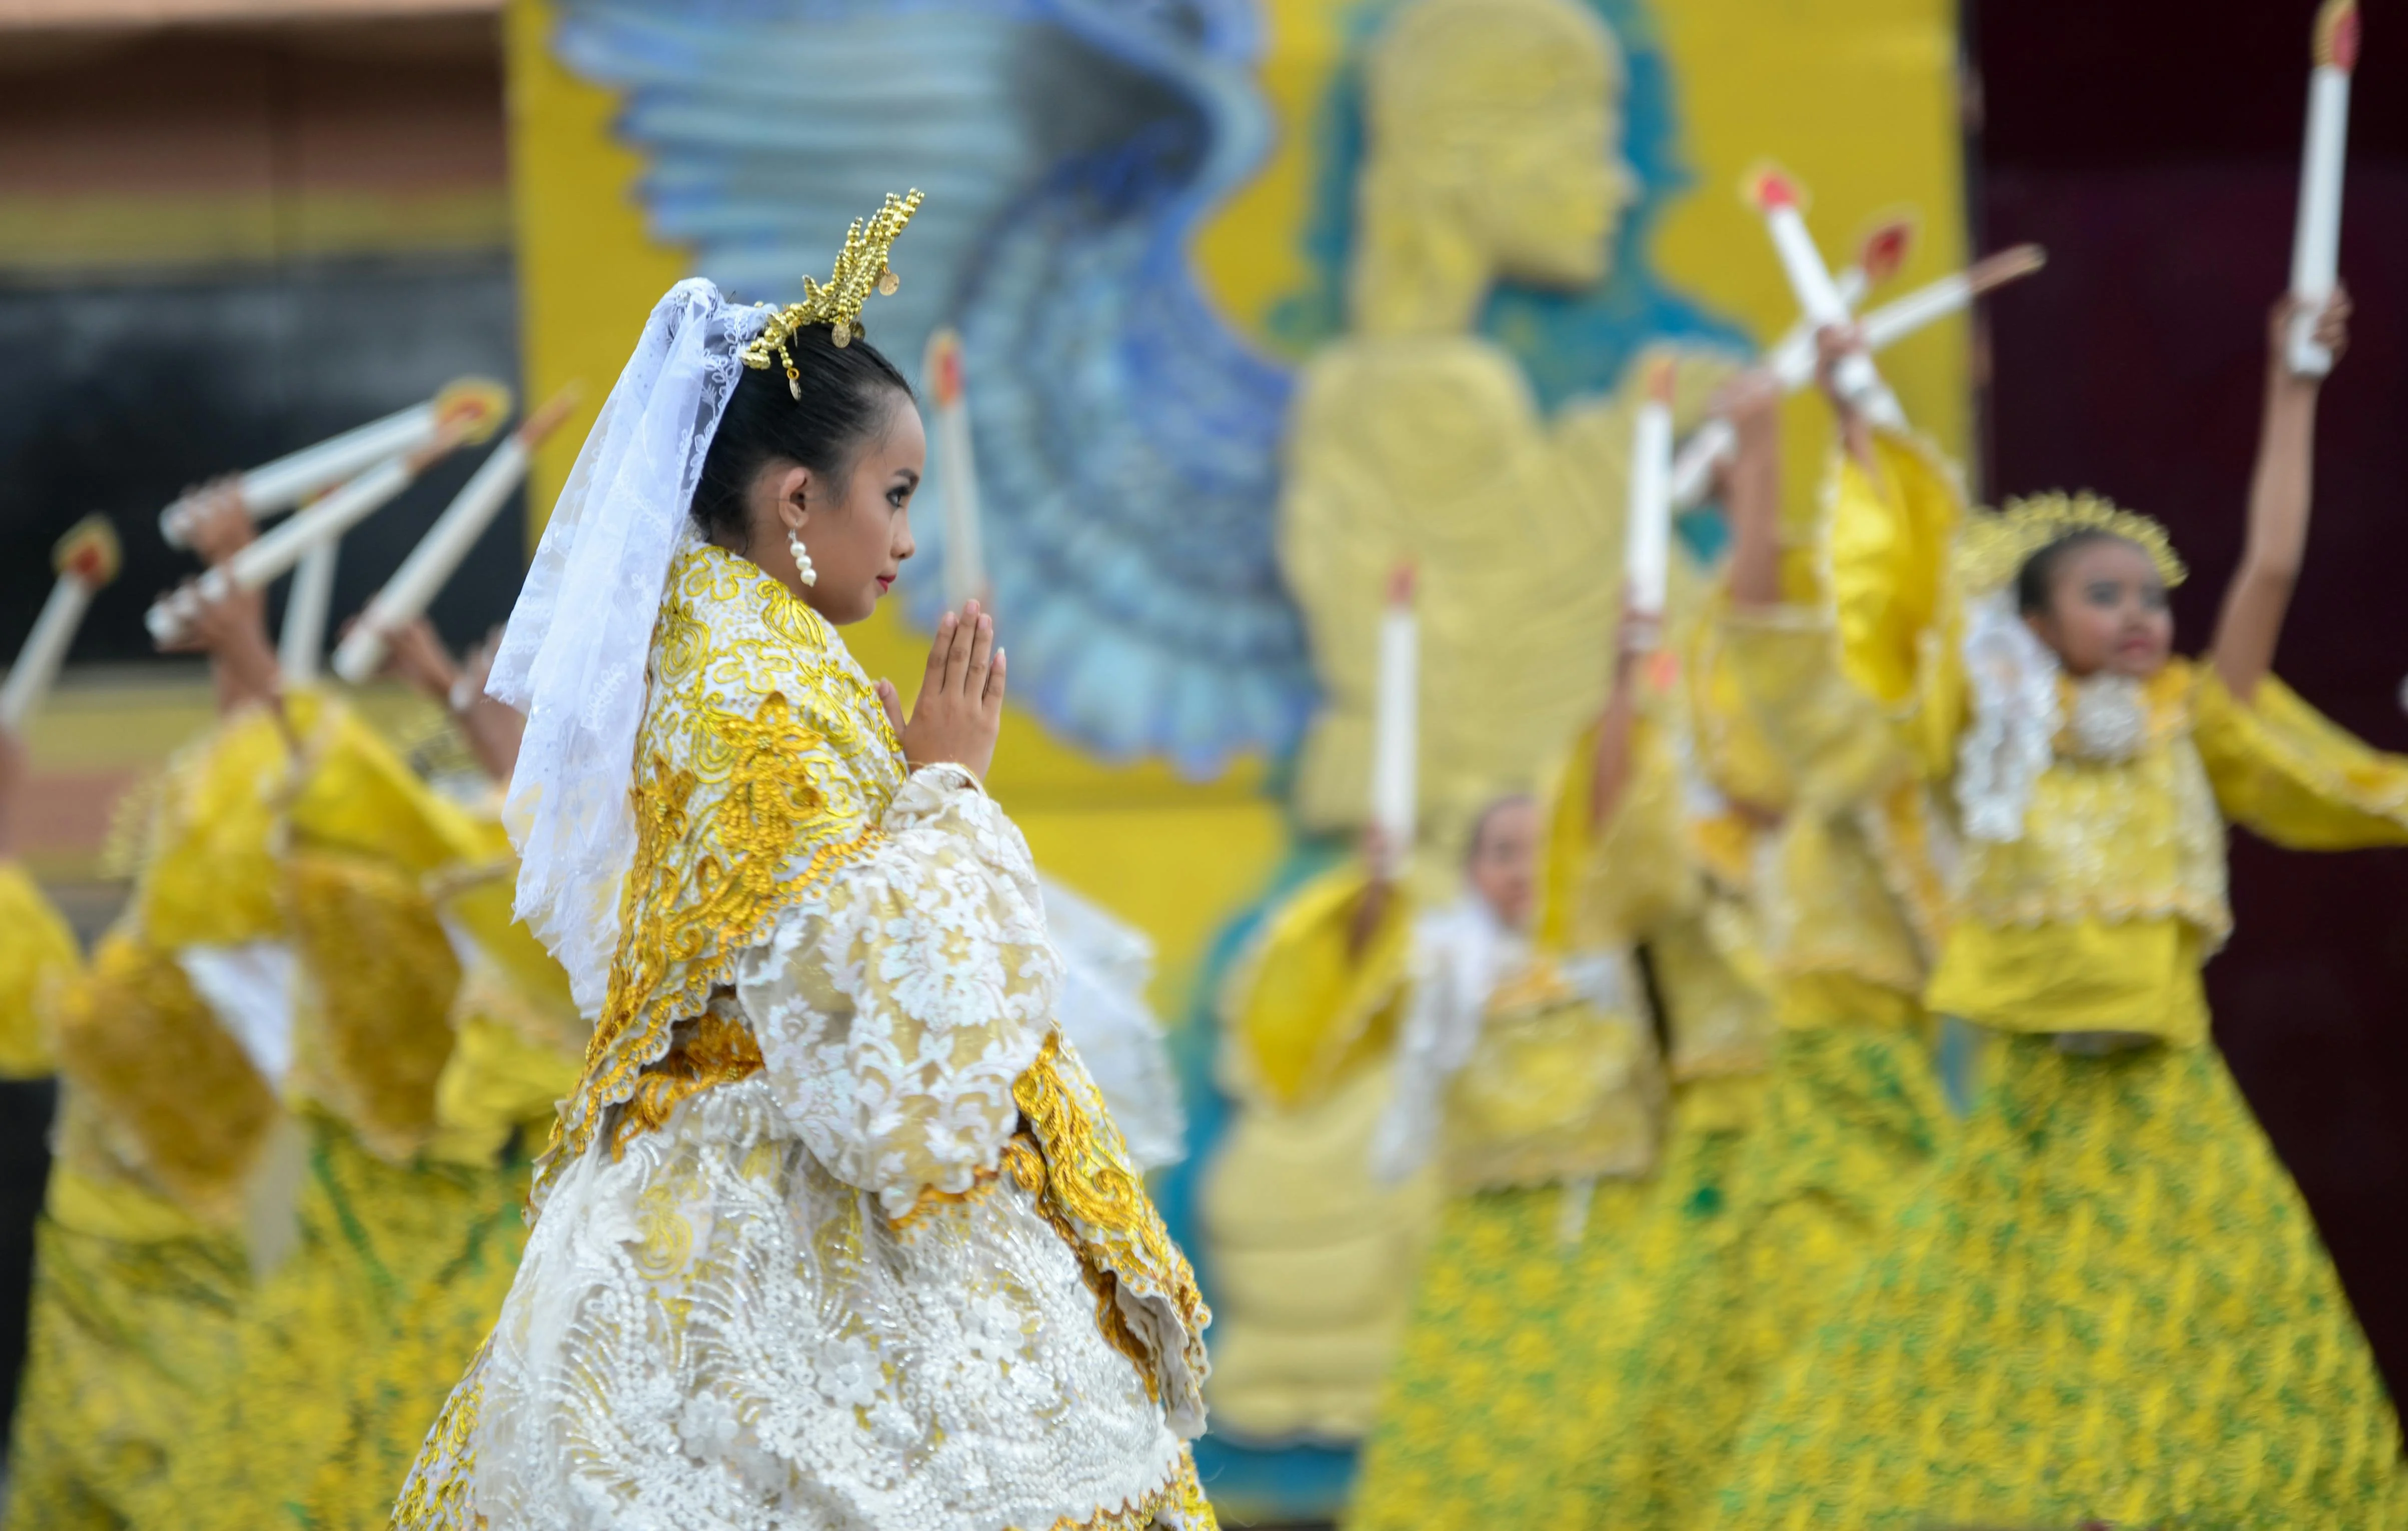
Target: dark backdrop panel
x=115 y=397
x=2156 y=157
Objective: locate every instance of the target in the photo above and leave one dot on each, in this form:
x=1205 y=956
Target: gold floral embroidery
x=714 y=1047
x=437 y=1497
x=765 y=762
x=1093 y=1198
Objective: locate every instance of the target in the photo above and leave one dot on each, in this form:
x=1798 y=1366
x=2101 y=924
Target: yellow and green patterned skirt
x=1851 y=1123
x=2110 y=1305
x=347 y=1349
x=1497 y=1342
x=128 y=1339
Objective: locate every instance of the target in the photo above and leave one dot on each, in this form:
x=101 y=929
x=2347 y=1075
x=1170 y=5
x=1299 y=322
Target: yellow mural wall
x=1857 y=97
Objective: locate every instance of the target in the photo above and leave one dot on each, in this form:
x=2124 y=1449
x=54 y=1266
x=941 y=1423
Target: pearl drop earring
x=803 y=570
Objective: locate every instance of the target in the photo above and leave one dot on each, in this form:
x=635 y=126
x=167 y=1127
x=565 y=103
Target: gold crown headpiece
x=1996 y=546
x=861 y=269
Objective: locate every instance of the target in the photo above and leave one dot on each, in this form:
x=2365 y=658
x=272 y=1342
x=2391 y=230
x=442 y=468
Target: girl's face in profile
x=2107 y=612
x=857 y=534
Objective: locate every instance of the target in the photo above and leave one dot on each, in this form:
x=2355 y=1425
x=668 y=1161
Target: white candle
x=965 y=569
x=2315 y=239
x=1952 y=293
x=1711 y=444
x=1811 y=280
x=306 y=606
x=254 y=566
x=446 y=543
x=1647 y=547
x=276 y=487
x=86 y=559
x=1396 y=725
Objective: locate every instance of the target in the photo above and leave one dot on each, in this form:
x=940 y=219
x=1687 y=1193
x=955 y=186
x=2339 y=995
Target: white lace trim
x=2009 y=742
x=897 y=1004
x=573 y=656
x=716 y=1334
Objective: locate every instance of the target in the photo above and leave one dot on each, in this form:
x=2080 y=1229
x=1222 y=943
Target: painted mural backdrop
x=1258 y=298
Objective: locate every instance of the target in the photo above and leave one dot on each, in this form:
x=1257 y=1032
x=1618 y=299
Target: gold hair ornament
x=1995 y=547
x=860 y=268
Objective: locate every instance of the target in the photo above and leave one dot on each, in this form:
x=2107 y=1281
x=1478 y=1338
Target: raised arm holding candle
x=446 y=543
x=1646 y=560
x=476 y=406
x=86 y=559
x=2315 y=241
x=257 y=565
x=965 y=567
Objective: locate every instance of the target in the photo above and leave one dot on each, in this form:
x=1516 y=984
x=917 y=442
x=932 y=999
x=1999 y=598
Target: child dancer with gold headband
x=2111 y=1303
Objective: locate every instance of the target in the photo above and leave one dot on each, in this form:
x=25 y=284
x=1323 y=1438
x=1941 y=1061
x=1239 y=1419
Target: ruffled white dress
x=855 y=1244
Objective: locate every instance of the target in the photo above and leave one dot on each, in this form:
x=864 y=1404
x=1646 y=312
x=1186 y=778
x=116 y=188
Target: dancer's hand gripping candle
x=86 y=559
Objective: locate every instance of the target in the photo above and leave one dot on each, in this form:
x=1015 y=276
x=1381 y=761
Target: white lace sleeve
x=896 y=1005
x=1452 y=957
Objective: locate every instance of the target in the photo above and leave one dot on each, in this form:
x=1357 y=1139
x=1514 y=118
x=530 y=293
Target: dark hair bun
x=845 y=392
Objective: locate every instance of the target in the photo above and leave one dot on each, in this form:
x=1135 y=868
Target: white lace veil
x=2000 y=756
x=573 y=656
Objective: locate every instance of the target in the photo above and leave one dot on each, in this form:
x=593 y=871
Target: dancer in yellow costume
x=2111 y=1303
x=423 y=1061
x=164 y=1187
x=1542 y=1097
x=1851 y=906
x=1491 y=127
x=37 y=950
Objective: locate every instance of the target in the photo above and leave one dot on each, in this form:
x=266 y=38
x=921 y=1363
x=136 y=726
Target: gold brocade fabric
x=764 y=762
x=177 y=1095
x=1095 y=1200
x=38 y=955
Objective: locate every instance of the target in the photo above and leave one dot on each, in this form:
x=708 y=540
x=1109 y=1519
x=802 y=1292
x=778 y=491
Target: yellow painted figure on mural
x=1490 y=158
x=2111 y=1303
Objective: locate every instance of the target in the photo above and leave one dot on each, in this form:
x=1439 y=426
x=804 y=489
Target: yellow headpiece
x=860 y=267
x=1996 y=546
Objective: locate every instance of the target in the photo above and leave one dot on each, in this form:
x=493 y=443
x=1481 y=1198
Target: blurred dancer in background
x=2111 y=1302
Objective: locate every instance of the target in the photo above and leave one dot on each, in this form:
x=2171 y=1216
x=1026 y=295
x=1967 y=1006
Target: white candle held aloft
x=170 y=618
x=1818 y=295
x=306 y=605
x=1648 y=543
x=965 y=569
x=270 y=490
x=86 y=559
x=1712 y=443
x=1396 y=725
x=446 y=544
x=2315 y=239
